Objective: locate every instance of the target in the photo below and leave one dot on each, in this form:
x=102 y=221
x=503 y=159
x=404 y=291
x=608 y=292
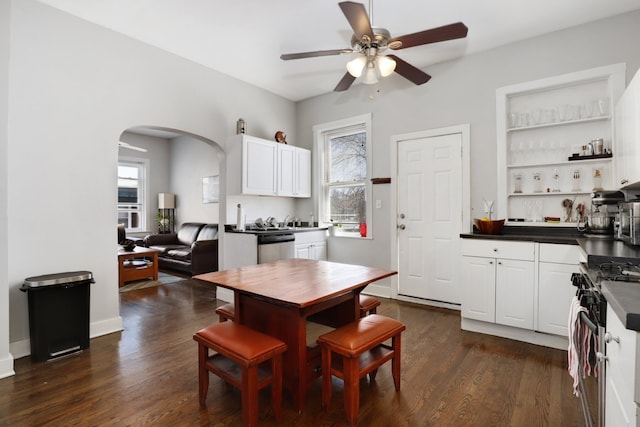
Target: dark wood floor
x=147 y=375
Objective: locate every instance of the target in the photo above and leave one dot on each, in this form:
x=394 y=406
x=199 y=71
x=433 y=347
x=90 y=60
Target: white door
x=430 y=209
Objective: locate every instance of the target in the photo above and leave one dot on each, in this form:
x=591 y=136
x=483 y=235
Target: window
x=344 y=151
x=131 y=195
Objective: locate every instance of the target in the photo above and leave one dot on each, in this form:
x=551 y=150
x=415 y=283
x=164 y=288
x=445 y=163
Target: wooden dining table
x=280 y=298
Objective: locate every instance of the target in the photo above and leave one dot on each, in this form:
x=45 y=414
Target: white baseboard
x=22 y=348
x=531 y=337
x=6 y=366
x=383 y=291
x=105 y=327
x=224 y=294
x=429 y=302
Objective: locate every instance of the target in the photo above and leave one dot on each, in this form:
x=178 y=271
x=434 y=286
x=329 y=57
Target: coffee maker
x=604 y=208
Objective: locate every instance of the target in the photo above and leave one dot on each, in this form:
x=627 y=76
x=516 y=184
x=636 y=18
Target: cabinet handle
x=495 y=249
x=490 y=262
x=624 y=181
x=499 y=263
x=608 y=337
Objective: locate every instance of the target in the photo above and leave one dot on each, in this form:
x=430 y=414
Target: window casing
x=344 y=149
x=132 y=190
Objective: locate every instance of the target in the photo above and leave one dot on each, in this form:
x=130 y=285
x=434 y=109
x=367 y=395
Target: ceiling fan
x=122 y=144
x=371 y=41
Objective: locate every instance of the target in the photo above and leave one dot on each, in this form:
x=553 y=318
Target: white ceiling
x=244 y=38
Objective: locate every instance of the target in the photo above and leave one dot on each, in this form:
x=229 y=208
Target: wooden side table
x=129 y=269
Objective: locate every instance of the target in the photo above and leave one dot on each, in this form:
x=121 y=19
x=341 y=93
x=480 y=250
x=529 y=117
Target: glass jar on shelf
x=517 y=182
x=576 y=179
x=537 y=182
x=597 y=179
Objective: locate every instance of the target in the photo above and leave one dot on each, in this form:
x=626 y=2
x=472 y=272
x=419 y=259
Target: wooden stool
x=239 y=345
x=361 y=347
x=226 y=312
x=368 y=305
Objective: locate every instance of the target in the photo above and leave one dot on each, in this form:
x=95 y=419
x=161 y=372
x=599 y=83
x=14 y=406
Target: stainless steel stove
x=588 y=283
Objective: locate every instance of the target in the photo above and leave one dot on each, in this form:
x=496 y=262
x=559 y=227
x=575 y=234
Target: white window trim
x=144 y=217
x=320 y=133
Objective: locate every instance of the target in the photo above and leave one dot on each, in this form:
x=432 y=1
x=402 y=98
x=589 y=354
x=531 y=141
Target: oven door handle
x=585 y=319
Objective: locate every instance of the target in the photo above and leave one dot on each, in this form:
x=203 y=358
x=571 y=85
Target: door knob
x=401 y=226
x=401 y=216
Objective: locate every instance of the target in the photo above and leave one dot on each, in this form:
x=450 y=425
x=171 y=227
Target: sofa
x=192 y=250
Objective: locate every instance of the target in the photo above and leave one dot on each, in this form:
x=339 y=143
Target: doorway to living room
x=156 y=162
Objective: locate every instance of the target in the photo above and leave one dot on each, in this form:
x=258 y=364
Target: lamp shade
x=166 y=201
x=386 y=65
x=370 y=77
x=355 y=66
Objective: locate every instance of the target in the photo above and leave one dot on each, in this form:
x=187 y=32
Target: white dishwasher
x=274 y=247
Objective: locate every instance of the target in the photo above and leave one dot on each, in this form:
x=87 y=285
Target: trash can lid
x=57 y=279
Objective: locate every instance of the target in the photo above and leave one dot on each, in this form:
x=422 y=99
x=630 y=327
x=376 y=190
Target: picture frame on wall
x=211 y=189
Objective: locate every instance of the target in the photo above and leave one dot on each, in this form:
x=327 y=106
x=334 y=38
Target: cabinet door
x=320 y=251
x=514 y=293
x=627 y=133
x=303 y=251
x=302 y=184
x=478 y=288
x=287 y=176
x=554 y=297
x=620 y=407
x=259 y=167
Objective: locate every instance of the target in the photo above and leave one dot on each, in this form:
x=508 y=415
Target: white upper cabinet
x=544 y=130
x=261 y=167
x=627 y=134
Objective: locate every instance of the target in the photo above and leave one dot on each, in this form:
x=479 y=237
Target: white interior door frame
x=465 y=131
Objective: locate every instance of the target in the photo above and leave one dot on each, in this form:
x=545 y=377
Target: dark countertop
x=566 y=236
x=623 y=297
x=273 y=232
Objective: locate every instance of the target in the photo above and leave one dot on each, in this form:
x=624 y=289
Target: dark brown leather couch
x=192 y=250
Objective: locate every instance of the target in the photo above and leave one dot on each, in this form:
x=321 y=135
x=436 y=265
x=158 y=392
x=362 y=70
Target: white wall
x=461 y=91
x=6 y=359
x=192 y=160
x=73 y=89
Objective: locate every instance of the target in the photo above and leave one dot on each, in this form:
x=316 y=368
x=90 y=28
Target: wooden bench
x=226 y=312
x=368 y=305
x=239 y=359
x=355 y=350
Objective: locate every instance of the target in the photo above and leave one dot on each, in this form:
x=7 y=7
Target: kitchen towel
x=577 y=340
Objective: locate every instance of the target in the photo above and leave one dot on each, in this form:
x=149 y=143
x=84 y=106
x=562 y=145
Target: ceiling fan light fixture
x=370 y=75
x=386 y=65
x=355 y=66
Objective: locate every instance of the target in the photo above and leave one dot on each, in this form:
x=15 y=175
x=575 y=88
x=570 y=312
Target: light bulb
x=386 y=65
x=370 y=77
x=355 y=66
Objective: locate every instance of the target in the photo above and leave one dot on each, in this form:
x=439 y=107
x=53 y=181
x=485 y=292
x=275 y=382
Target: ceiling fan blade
x=434 y=35
x=345 y=83
x=410 y=72
x=131 y=147
x=287 y=56
x=357 y=16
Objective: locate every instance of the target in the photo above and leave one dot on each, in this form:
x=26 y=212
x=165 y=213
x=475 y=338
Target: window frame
x=322 y=134
x=143 y=168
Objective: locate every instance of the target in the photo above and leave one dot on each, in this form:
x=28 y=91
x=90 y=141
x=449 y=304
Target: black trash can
x=58 y=313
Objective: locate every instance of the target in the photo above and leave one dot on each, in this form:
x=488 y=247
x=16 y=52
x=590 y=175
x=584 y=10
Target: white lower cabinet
x=524 y=285
x=620 y=397
x=495 y=276
x=620 y=403
x=311 y=245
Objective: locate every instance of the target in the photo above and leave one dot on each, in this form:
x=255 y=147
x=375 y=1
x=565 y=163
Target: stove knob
x=608 y=337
